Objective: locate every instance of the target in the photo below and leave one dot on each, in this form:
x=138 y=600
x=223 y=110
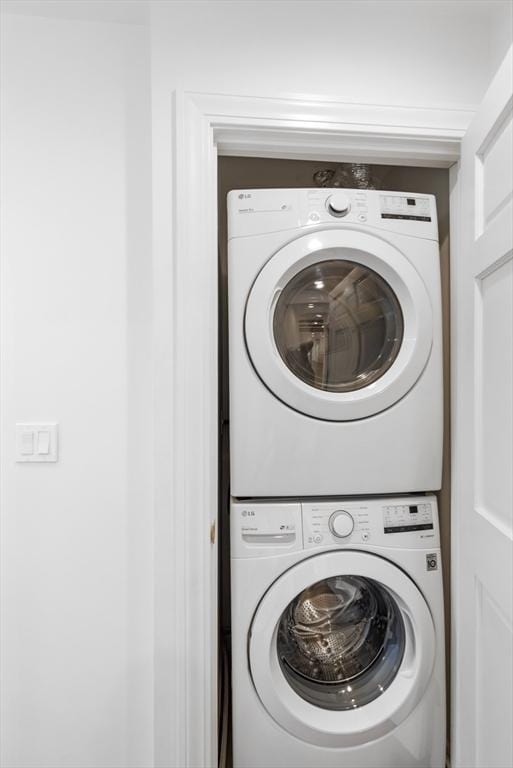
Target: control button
x=27 y=443
x=362 y=217
x=338 y=204
x=314 y=217
x=341 y=524
x=317 y=538
x=43 y=441
x=365 y=536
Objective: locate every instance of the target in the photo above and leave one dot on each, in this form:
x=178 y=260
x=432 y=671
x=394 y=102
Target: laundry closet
x=246 y=174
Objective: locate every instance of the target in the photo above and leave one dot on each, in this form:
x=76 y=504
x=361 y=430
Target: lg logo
x=248 y=513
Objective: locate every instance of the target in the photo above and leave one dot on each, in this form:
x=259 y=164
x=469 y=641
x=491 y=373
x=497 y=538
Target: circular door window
x=340 y=642
x=341 y=648
x=338 y=326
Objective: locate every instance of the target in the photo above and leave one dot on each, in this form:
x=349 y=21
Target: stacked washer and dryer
x=336 y=411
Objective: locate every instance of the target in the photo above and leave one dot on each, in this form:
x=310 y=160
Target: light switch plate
x=37 y=442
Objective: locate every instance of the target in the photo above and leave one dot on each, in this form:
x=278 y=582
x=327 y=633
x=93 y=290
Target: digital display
x=399 y=207
x=408 y=528
x=403 y=216
x=403 y=518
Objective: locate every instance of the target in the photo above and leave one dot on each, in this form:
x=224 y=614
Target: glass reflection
x=341 y=642
x=338 y=325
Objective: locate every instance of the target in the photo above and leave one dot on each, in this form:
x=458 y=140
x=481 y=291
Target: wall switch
x=27 y=443
x=43 y=441
x=36 y=442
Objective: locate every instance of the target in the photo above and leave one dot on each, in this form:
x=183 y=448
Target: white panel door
x=482 y=397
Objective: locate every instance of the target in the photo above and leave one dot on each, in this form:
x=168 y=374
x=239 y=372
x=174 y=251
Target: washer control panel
x=262 y=528
x=409 y=521
x=328 y=523
x=400 y=518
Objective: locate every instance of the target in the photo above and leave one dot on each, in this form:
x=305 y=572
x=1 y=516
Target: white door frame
x=206 y=125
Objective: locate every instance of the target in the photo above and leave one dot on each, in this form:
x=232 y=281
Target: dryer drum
x=341 y=642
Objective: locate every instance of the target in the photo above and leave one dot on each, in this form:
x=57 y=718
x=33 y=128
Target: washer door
x=338 y=325
x=341 y=648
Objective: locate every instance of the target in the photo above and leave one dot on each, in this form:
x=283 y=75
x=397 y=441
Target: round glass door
x=337 y=627
x=340 y=642
x=338 y=325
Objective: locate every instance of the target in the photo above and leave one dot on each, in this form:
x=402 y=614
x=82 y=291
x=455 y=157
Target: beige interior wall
x=254 y=173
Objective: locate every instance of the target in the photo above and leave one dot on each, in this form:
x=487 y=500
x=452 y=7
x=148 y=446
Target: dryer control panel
x=404 y=207
x=262 y=211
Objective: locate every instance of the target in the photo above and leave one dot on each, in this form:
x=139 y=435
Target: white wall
x=383 y=52
x=501 y=33
x=76 y=537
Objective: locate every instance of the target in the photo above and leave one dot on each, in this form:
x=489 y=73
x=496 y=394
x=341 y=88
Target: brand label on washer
x=260 y=529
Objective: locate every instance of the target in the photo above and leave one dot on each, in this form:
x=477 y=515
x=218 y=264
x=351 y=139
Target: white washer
x=337 y=634
x=335 y=342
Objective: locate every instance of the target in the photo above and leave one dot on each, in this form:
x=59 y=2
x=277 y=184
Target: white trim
x=205 y=124
x=195 y=425
x=456 y=334
x=296 y=128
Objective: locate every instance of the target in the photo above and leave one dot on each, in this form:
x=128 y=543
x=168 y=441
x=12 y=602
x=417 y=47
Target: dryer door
x=338 y=325
x=341 y=648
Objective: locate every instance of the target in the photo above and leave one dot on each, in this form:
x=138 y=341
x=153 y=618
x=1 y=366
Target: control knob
x=338 y=204
x=341 y=524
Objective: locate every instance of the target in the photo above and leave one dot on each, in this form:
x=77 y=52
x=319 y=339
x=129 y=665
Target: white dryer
x=335 y=342
x=337 y=634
